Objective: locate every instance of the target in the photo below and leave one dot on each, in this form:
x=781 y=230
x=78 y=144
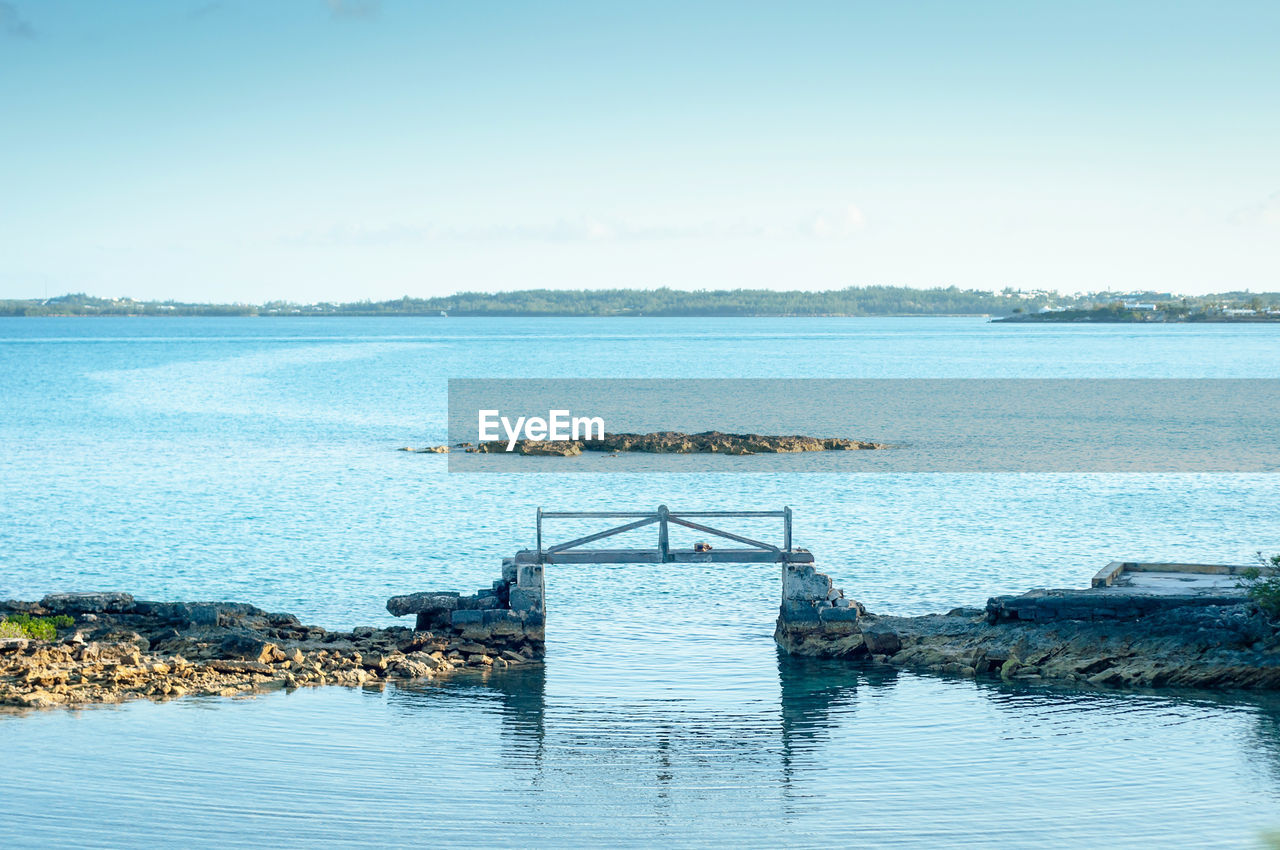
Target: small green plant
x=36 y=628
x=1264 y=588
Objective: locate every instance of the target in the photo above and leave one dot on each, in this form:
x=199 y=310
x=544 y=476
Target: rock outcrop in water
x=666 y=442
x=1084 y=637
x=119 y=648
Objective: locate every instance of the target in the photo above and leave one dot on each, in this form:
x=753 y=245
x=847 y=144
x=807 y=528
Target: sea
x=256 y=460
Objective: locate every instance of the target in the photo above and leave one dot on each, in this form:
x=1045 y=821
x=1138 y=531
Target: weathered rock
x=235 y=649
x=418 y=603
x=677 y=442
x=1206 y=646
x=1110 y=638
x=880 y=640
x=1048 y=605
x=87 y=603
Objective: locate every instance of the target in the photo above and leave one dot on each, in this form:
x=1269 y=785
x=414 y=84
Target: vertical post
x=664 y=544
x=539 y=535
x=786 y=529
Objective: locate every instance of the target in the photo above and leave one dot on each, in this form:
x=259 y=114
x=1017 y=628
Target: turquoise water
x=254 y=460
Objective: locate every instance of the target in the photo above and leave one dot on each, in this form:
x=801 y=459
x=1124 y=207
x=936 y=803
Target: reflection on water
x=835 y=753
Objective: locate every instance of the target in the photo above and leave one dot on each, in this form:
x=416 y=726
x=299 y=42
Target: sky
x=313 y=150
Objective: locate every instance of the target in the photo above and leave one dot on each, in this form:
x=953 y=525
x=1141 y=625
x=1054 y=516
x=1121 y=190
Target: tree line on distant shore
x=853 y=301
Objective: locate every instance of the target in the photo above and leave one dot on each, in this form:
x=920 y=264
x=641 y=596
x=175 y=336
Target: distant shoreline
x=495 y=315
x=852 y=302
x=1109 y=316
x=855 y=302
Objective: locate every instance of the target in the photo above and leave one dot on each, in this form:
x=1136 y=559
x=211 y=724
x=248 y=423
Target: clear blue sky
x=245 y=150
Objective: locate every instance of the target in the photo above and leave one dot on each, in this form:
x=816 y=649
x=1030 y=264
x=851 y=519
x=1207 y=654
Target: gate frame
x=757 y=551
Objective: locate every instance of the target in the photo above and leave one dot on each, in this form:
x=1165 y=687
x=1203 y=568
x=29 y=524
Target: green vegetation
x=1264 y=588
x=36 y=628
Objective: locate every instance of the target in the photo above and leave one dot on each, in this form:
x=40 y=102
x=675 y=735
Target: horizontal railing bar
x=609 y=532
x=679 y=556
x=770 y=514
x=654 y=556
x=622 y=514
x=599 y=514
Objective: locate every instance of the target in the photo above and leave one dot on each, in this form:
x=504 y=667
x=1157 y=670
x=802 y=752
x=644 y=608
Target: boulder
x=425 y=602
x=240 y=643
x=881 y=641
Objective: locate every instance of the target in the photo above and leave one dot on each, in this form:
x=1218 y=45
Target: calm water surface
x=254 y=460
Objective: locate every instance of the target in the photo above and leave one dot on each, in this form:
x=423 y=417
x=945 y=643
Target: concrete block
x=838 y=629
x=464 y=618
x=832 y=615
x=526 y=599
x=529 y=575
x=504 y=622
x=477 y=632
x=508 y=570
x=792 y=606
x=803 y=582
x=430 y=621
x=800 y=614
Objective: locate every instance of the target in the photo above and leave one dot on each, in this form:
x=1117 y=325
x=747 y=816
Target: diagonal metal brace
x=640 y=523
x=718 y=533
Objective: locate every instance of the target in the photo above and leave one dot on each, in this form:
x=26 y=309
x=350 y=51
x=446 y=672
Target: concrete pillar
x=529 y=592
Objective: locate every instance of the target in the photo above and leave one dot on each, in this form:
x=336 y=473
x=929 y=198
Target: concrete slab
x=1169 y=579
x=1169 y=584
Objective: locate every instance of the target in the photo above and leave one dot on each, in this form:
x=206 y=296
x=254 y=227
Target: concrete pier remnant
x=816 y=618
x=510 y=612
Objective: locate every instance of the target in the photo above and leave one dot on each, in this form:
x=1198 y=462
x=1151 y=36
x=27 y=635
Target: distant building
x=1139 y=305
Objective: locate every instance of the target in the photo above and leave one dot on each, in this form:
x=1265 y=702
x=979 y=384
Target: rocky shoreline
x=665 y=442
x=118 y=648
x=1082 y=637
